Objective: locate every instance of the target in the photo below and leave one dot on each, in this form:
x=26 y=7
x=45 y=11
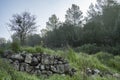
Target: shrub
x=104 y=57
x=115 y=63
x=109 y=60
x=88 y=48
x=39 y=49
x=113 y=50
x=1 y=51
x=15 y=46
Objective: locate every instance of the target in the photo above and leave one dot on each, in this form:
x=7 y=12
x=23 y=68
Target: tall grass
x=79 y=61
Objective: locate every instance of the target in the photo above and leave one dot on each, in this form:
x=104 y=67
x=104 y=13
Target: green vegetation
x=80 y=61
x=88 y=48
x=15 y=46
x=94 y=41
x=8 y=73
x=36 y=49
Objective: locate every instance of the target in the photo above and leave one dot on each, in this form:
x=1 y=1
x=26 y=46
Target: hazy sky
x=43 y=9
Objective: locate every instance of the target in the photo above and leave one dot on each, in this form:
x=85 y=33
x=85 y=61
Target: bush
x=88 y=48
x=109 y=60
x=104 y=57
x=39 y=49
x=113 y=50
x=15 y=46
x=1 y=51
x=115 y=63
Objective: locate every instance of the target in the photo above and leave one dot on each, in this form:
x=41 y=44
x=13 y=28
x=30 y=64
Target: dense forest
x=96 y=35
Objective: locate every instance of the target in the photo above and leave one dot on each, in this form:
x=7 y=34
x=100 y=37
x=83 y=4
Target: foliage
x=109 y=60
x=22 y=24
x=115 y=63
x=53 y=23
x=36 y=49
x=80 y=61
x=39 y=49
x=1 y=51
x=74 y=16
x=28 y=49
x=33 y=40
x=101 y=27
x=88 y=48
x=15 y=46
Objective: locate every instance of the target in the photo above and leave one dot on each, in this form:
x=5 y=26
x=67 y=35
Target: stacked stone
x=93 y=72
x=40 y=64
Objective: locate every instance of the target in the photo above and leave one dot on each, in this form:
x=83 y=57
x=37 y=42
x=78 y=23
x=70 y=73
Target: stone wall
x=39 y=64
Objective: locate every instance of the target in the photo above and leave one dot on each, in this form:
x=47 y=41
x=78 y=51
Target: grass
x=79 y=61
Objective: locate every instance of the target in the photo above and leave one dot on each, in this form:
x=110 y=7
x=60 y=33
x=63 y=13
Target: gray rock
x=47 y=67
x=25 y=67
x=22 y=67
x=17 y=57
x=16 y=64
x=39 y=72
x=10 y=60
x=38 y=66
x=51 y=59
x=66 y=67
x=7 y=53
x=28 y=68
x=45 y=59
x=23 y=54
x=53 y=68
x=88 y=71
x=96 y=71
x=49 y=73
x=44 y=72
x=55 y=62
x=28 y=58
x=34 y=61
x=42 y=67
x=60 y=62
x=39 y=58
x=116 y=75
x=60 y=68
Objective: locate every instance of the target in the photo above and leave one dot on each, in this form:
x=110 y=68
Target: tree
x=23 y=24
x=105 y=13
x=74 y=15
x=44 y=32
x=53 y=23
x=33 y=40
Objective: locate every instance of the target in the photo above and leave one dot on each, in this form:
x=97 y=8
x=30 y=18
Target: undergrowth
x=80 y=61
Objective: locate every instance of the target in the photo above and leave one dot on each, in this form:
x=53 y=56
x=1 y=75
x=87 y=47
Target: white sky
x=43 y=9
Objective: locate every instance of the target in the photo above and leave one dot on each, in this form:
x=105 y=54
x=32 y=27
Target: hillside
x=104 y=62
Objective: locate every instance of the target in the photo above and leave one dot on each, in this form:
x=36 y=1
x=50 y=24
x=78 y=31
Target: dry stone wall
x=39 y=64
